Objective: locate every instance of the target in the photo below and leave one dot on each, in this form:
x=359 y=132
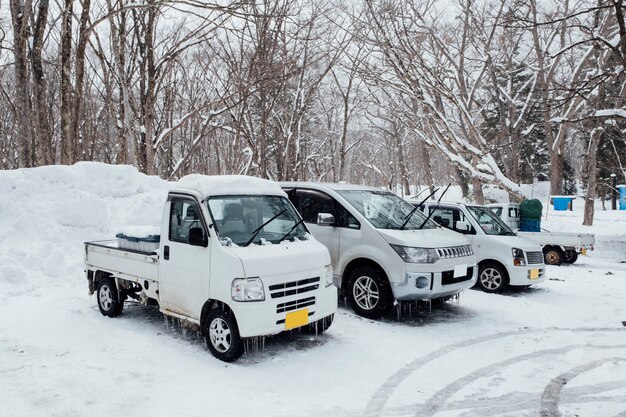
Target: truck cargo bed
x=122 y=263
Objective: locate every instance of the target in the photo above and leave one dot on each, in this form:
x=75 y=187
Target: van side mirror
x=325 y=219
x=196 y=237
x=462 y=226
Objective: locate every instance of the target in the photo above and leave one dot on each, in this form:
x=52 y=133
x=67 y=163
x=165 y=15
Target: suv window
x=184 y=215
x=448 y=216
x=310 y=203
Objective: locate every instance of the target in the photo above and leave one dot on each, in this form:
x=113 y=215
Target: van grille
x=295 y=304
x=534 y=257
x=294 y=287
x=455 y=252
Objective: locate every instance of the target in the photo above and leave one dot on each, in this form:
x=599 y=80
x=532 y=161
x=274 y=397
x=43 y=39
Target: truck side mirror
x=325 y=219
x=196 y=237
x=462 y=226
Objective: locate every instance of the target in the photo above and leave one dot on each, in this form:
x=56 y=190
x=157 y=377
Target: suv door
x=184 y=265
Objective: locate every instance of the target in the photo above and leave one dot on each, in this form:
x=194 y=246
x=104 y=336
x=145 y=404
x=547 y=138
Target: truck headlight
x=416 y=255
x=247 y=289
x=329 y=275
x=518 y=257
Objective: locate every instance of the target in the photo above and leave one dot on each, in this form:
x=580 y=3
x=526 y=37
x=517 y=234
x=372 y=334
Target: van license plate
x=534 y=273
x=460 y=270
x=296 y=319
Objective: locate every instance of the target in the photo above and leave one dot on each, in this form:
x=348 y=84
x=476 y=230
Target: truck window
x=310 y=203
x=184 y=215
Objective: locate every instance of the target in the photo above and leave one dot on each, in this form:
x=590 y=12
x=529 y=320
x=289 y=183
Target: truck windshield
x=258 y=219
x=489 y=221
x=386 y=210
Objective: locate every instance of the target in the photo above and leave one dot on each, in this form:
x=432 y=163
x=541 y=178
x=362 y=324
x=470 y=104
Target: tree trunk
x=556 y=172
x=592 y=158
x=67 y=146
x=45 y=153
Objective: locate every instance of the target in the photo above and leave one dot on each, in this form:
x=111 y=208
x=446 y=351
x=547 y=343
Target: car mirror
x=196 y=237
x=325 y=219
x=462 y=226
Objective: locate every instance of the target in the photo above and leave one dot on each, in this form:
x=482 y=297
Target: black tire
x=319 y=326
x=492 y=278
x=369 y=293
x=222 y=335
x=570 y=257
x=553 y=255
x=108 y=298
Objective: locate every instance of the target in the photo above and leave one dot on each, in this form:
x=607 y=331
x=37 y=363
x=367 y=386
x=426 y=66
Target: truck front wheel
x=369 y=293
x=108 y=298
x=222 y=335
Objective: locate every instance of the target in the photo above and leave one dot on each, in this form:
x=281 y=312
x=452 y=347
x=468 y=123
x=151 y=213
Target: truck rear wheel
x=108 y=298
x=222 y=335
x=553 y=255
x=369 y=293
x=492 y=278
x=570 y=257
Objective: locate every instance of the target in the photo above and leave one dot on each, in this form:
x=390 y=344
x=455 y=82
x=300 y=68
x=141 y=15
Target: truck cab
x=504 y=259
x=382 y=250
x=509 y=213
x=234 y=260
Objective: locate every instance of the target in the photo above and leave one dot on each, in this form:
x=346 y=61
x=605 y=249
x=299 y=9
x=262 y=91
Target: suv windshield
x=489 y=221
x=237 y=218
x=386 y=210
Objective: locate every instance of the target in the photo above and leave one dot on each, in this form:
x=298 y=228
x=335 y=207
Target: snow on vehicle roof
x=212 y=185
x=332 y=185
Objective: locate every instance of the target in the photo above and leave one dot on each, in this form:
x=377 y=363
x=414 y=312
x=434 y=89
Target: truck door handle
x=166 y=252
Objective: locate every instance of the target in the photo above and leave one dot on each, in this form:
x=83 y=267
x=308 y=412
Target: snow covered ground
x=557 y=348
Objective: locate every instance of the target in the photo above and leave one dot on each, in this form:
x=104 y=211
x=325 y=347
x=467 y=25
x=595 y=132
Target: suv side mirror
x=325 y=219
x=462 y=226
x=196 y=237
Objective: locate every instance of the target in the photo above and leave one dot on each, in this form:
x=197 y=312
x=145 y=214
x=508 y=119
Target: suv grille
x=534 y=257
x=455 y=252
x=294 y=287
x=447 y=277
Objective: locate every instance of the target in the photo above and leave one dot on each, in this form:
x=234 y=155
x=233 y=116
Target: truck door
x=184 y=262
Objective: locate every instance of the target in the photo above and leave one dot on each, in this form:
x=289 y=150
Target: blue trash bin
x=561 y=202
x=622 y=196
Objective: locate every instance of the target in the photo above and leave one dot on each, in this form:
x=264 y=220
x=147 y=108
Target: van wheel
x=492 y=278
x=553 y=255
x=570 y=257
x=369 y=293
x=108 y=298
x=222 y=335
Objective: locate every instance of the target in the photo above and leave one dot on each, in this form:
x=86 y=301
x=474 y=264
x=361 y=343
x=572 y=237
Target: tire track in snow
x=552 y=393
x=378 y=401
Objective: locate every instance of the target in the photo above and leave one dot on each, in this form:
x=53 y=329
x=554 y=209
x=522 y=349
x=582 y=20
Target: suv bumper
x=440 y=283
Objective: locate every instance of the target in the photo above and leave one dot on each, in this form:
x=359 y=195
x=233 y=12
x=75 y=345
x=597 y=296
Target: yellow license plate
x=534 y=273
x=296 y=319
x=584 y=252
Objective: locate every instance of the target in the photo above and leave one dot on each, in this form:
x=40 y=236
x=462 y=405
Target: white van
x=381 y=248
x=234 y=260
x=503 y=257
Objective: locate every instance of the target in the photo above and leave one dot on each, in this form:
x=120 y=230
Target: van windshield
x=258 y=219
x=489 y=221
x=386 y=210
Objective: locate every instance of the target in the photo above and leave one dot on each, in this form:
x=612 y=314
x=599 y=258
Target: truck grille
x=455 y=252
x=294 y=287
x=295 y=305
x=447 y=277
x=534 y=257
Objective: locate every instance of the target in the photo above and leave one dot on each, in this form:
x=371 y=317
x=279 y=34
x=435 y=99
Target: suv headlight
x=416 y=255
x=518 y=257
x=247 y=289
x=329 y=275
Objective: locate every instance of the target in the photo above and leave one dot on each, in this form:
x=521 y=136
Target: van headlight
x=518 y=257
x=247 y=289
x=329 y=275
x=416 y=255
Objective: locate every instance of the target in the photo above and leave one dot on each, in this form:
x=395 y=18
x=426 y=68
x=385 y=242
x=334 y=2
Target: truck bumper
x=523 y=275
x=441 y=283
x=269 y=317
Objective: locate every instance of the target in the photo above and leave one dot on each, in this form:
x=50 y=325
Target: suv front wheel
x=369 y=293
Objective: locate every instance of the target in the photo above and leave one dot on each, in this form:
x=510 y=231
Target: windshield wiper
x=258 y=229
x=408 y=217
x=290 y=230
x=433 y=210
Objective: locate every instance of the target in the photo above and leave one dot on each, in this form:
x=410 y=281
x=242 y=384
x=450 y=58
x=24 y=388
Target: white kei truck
x=234 y=260
x=382 y=249
x=558 y=247
x=504 y=259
